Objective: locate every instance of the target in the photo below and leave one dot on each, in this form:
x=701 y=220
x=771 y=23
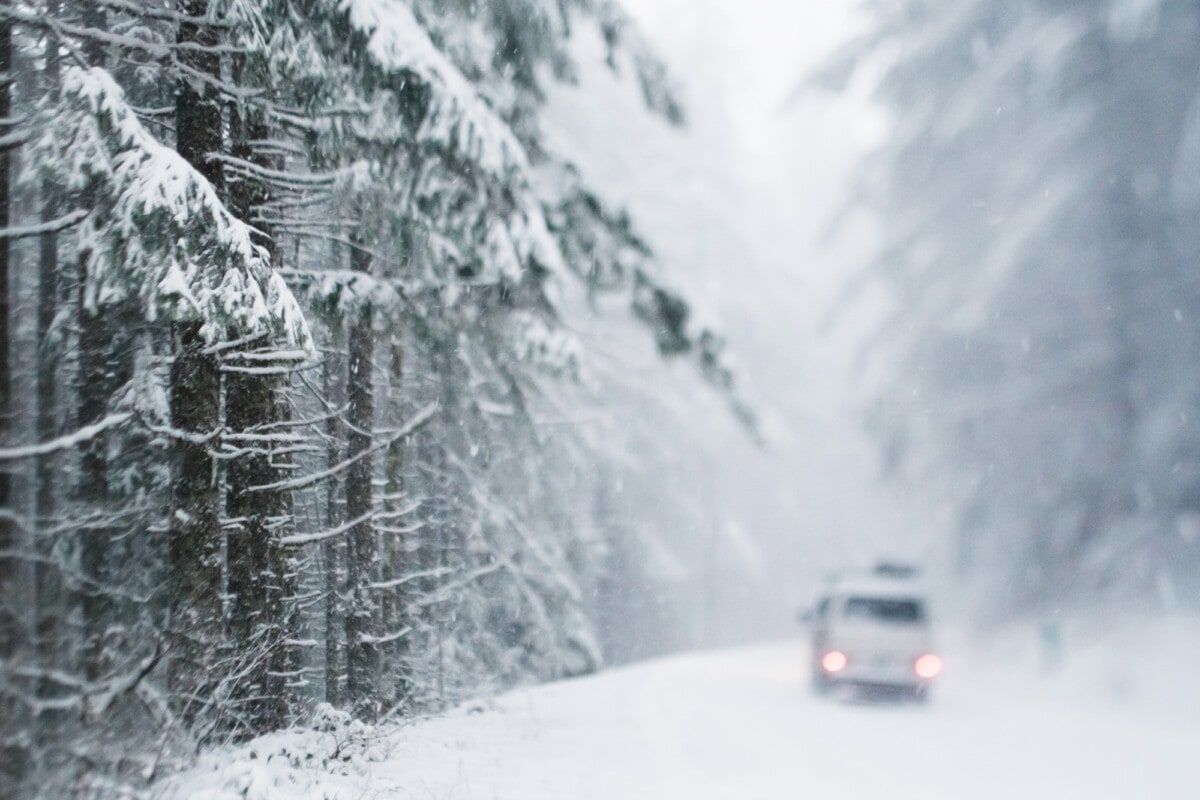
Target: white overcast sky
x=739 y=61
x=762 y=44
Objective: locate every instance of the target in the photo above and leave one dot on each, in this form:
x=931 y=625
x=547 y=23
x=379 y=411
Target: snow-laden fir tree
x=1038 y=194
x=352 y=495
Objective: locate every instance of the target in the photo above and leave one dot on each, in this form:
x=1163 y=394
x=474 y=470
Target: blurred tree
x=1039 y=193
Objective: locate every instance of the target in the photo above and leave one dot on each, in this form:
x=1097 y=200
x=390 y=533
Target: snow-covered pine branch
x=158 y=235
x=416 y=148
x=41 y=228
x=66 y=442
x=456 y=121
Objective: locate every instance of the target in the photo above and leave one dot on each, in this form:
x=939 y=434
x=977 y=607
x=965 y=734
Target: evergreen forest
x=288 y=300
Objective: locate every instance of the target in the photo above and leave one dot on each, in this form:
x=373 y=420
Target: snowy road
x=739 y=724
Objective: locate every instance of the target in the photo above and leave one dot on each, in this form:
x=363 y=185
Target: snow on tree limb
x=416 y=423
x=41 y=228
x=457 y=119
x=322 y=535
x=66 y=442
x=158 y=235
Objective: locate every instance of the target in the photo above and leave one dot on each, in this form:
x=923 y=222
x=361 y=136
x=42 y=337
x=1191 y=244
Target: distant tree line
x=285 y=289
x=1040 y=191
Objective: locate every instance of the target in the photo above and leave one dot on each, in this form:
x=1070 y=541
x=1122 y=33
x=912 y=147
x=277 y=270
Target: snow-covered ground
x=740 y=723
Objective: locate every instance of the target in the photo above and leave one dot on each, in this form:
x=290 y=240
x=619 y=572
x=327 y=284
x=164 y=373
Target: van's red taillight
x=928 y=666
x=833 y=661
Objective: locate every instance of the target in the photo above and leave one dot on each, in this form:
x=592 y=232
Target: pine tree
x=261 y=581
x=1043 y=306
x=363 y=632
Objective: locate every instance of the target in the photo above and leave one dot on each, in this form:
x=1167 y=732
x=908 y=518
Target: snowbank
x=741 y=723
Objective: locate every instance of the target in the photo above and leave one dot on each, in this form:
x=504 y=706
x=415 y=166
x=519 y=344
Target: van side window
x=886 y=609
x=823 y=608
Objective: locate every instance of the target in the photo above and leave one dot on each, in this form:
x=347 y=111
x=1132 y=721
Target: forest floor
x=741 y=723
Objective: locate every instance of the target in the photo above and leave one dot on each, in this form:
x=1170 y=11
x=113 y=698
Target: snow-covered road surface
x=741 y=724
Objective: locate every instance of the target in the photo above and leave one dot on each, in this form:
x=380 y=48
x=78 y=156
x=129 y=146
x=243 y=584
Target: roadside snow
x=733 y=724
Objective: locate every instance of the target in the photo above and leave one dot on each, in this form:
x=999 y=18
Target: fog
x=955 y=275
x=749 y=204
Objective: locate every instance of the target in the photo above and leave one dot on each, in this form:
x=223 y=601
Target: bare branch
x=419 y=421
x=50 y=226
x=67 y=442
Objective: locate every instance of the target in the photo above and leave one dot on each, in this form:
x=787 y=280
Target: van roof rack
x=892 y=569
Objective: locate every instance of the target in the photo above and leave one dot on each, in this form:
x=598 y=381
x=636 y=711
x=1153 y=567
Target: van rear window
x=885 y=609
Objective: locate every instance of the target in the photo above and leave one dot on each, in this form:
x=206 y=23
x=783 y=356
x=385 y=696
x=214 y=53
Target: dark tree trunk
x=50 y=602
x=362 y=624
x=255 y=604
x=48 y=290
x=47 y=394
x=198 y=113
x=95 y=389
x=195 y=531
x=446 y=528
x=286 y=663
x=333 y=549
x=258 y=569
x=14 y=752
x=9 y=565
x=424 y=553
x=94 y=392
x=247 y=125
x=94 y=18
x=394 y=600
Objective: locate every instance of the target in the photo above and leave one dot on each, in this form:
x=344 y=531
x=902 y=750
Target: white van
x=873 y=633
